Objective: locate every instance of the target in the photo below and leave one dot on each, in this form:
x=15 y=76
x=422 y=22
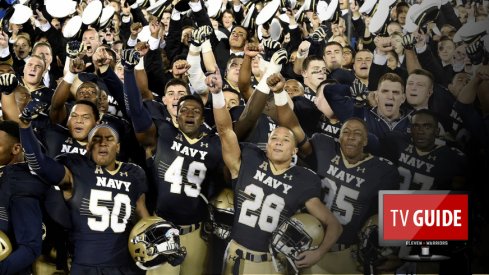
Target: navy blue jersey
x=262 y=200
x=309 y=94
x=434 y=170
x=351 y=190
x=183 y=169
x=101 y=209
x=260 y=133
x=57 y=140
x=20 y=215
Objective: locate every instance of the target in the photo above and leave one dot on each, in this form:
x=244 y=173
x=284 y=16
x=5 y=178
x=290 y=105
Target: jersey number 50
x=98 y=207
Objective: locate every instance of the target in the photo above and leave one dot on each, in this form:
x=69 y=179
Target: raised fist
x=475 y=52
x=8 y=83
x=130 y=58
x=270 y=47
x=201 y=34
x=32 y=110
x=74 y=48
x=408 y=41
x=276 y=82
x=318 y=35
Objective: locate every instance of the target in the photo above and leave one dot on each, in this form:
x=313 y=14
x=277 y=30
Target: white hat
x=426 y=12
x=72 y=27
x=268 y=12
x=214 y=8
x=471 y=30
x=60 y=8
x=331 y=9
x=251 y=14
x=21 y=14
x=158 y=7
x=380 y=16
x=92 y=12
x=368 y=7
x=107 y=14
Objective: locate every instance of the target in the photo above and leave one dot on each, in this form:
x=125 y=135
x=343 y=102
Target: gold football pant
x=240 y=260
x=195 y=260
x=339 y=262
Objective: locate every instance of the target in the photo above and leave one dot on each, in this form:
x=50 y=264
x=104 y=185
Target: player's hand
x=475 y=52
x=276 y=82
x=101 y=57
x=303 y=49
x=318 y=35
x=251 y=49
x=8 y=83
x=269 y=48
x=280 y=57
x=214 y=82
x=308 y=258
x=74 y=48
x=180 y=67
x=32 y=110
x=408 y=41
x=130 y=58
x=77 y=65
x=3 y=40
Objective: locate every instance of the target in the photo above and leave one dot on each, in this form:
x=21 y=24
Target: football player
x=20 y=211
x=103 y=196
x=350 y=179
x=183 y=161
x=267 y=191
x=423 y=164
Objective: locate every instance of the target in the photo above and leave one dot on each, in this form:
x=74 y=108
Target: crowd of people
x=118 y=111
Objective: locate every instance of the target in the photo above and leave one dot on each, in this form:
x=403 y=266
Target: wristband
x=140 y=65
x=281 y=98
x=218 y=101
x=206 y=46
x=69 y=77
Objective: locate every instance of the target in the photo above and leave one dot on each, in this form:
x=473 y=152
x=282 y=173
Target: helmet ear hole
x=154 y=241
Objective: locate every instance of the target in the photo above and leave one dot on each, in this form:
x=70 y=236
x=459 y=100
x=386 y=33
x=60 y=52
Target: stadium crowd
x=185 y=136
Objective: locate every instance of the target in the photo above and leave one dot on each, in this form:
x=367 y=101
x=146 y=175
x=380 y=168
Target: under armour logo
x=204 y=144
x=287 y=176
x=123 y=174
x=431 y=157
x=360 y=169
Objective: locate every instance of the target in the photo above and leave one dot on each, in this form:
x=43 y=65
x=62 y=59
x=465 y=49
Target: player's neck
x=278 y=168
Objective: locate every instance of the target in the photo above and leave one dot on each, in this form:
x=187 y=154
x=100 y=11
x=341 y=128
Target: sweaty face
x=33 y=71
x=44 y=52
x=22 y=48
x=389 y=98
x=172 y=95
x=315 y=73
x=190 y=117
x=293 y=88
x=231 y=99
x=333 y=55
x=361 y=66
x=424 y=131
x=6 y=146
x=353 y=137
x=104 y=147
x=91 y=41
x=418 y=90
x=81 y=121
x=281 y=145
x=237 y=38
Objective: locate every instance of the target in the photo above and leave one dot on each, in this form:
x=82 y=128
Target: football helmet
x=299 y=233
x=368 y=253
x=5 y=246
x=154 y=241
x=221 y=212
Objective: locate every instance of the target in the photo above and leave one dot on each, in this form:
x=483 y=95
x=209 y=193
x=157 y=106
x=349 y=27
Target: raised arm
x=43 y=166
x=231 y=152
x=285 y=116
x=141 y=119
x=8 y=85
x=244 y=81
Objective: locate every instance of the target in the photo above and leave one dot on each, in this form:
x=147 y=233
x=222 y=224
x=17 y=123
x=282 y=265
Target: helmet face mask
x=153 y=242
x=300 y=233
x=221 y=213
